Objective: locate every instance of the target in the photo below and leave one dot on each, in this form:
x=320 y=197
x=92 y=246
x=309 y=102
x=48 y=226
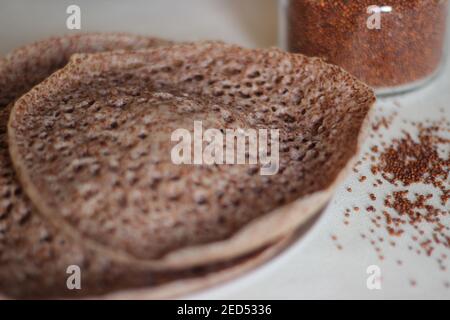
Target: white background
x=245 y=22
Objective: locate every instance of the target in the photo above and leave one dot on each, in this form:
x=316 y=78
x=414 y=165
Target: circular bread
x=27 y=66
x=170 y=285
x=34 y=256
x=92 y=148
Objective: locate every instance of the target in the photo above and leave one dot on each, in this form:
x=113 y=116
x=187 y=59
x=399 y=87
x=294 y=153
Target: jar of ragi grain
x=392 y=45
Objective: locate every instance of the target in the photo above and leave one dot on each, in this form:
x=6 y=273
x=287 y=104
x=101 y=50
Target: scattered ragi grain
x=415 y=203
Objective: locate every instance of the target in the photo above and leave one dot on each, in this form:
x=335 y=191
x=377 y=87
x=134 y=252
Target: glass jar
x=392 y=45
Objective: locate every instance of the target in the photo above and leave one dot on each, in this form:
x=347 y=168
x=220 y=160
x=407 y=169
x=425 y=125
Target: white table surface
x=312 y=267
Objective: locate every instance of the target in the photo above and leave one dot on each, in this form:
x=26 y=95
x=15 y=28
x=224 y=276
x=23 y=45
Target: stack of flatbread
x=88 y=185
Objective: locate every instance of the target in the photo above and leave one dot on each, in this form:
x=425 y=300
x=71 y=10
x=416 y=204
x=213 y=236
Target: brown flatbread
x=91 y=146
x=176 y=284
x=34 y=256
x=27 y=66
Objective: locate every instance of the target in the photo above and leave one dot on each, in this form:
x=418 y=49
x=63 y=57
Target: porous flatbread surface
x=25 y=67
x=92 y=147
x=34 y=256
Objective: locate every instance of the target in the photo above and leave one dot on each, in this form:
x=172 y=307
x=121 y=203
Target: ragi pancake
x=91 y=146
x=34 y=255
x=28 y=65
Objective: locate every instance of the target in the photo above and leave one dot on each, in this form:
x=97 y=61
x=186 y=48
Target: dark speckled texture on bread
x=91 y=146
x=26 y=66
x=34 y=255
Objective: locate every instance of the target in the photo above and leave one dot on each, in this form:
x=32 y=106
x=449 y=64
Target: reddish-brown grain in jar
x=392 y=45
